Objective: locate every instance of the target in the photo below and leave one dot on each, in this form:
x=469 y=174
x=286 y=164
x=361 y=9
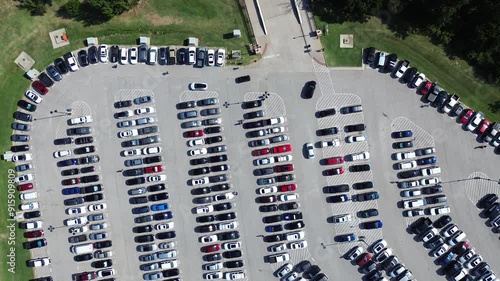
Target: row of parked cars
x=300 y=272
x=473 y=121
x=455 y=255
x=223 y=256
x=379 y=257
x=491 y=210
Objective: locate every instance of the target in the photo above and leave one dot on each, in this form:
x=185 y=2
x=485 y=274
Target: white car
x=404 y=155
x=62 y=153
x=151 y=150
x=275 y=130
x=413 y=203
x=73 y=66
x=212 y=275
x=133 y=55
x=228 y=225
x=191 y=55
x=297 y=245
x=342 y=218
x=288 y=197
x=123 y=55
x=263 y=161
x=383 y=255
x=332 y=143
x=474 y=122
x=283 y=158
x=80 y=229
x=156 y=178
x=196 y=142
x=132 y=152
x=204 y=209
x=38 y=262
x=293 y=236
x=128 y=133
x=407 y=165
x=231 y=245
x=360 y=138
x=440 y=210
x=278 y=248
x=439 y=250
x=169 y=264
x=378 y=246
x=234 y=275
x=76 y=210
x=413 y=213
x=399 y=73
x=32 y=224
x=449 y=230
x=33 y=97
x=430 y=181
x=22 y=157
x=310 y=150
x=199 y=151
x=96 y=207
x=199 y=181
x=163 y=226
x=420 y=78
x=281 y=257
x=103 y=53
x=284 y=270
x=360 y=156
x=411 y=193
x=24 y=178
x=430 y=171
x=144 y=110
x=106 y=272
x=81 y=120
x=75 y=221
x=210 y=57
x=474 y=261
x=268 y=189
x=224 y=196
x=221 y=56
x=29 y=206
x=208 y=239
x=196 y=86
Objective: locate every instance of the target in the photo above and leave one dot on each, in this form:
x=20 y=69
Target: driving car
x=309 y=89
x=197 y=86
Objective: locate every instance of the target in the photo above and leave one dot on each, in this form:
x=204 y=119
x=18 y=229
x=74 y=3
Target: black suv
x=354 y=128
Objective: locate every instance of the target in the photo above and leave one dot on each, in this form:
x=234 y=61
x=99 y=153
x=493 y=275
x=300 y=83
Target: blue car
x=402 y=134
x=274 y=228
x=446 y=259
x=345 y=238
x=426 y=161
x=372 y=224
x=67 y=162
x=159 y=207
x=71 y=190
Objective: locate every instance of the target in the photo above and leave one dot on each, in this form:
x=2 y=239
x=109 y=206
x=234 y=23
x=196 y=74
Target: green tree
x=72 y=8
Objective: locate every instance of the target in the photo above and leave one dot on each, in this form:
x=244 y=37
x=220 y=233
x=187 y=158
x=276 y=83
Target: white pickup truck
x=80 y=120
x=413 y=203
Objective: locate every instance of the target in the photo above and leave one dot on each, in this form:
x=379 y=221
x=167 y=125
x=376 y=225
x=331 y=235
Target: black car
x=138 y=200
x=351 y=109
x=103 y=244
x=223 y=207
x=354 y=128
x=20 y=148
x=26 y=105
x=336 y=188
x=123 y=103
x=149 y=140
x=287 y=177
x=289 y=206
x=234 y=264
x=263 y=171
x=143 y=219
x=435 y=199
x=217 y=158
x=367 y=213
x=215 y=139
x=420 y=225
x=360 y=168
x=225 y=216
x=219 y=178
x=186 y=105
x=220 y=187
x=181 y=54
x=363 y=185
x=84 y=150
x=242 y=79
x=84 y=257
x=452 y=268
x=144 y=238
x=254 y=124
x=254 y=114
x=79 y=131
x=200 y=190
x=158 y=197
x=102 y=263
x=302 y=266
x=326 y=112
x=92 y=54
x=205 y=219
x=22 y=116
x=35 y=244
x=19 y=138
x=152 y=159
x=212 y=257
x=441 y=99
x=327 y=131
x=390 y=62
x=54 y=74
x=198 y=161
x=268 y=208
x=251 y=104
x=309 y=89
x=273 y=238
x=213 y=130
x=93 y=197
x=89 y=169
x=135 y=181
x=409 y=174
x=201 y=57
x=170 y=273
x=133 y=172
x=77 y=238
x=369 y=55
x=409 y=75
x=142 y=229
x=83 y=58
x=84 y=140
x=294 y=225
x=312 y=271
x=166 y=235
x=432 y=189
x=61 y=66
x=74 y=201
x=89 y=179
x=157 y=187
x=272 y=219
x=232 y=254
x=402 y=144
x=114 y=54
x=63 y=141
x=202 y=200
x=70 y=172
x=140 y=210
x=45 y=79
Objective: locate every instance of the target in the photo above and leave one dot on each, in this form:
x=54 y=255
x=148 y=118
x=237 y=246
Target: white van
x=82 y=249
x=29 y=195
x=381 y=59
x=153 y=51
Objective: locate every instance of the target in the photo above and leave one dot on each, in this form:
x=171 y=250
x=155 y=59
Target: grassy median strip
x=455 y=76
x=166 y=22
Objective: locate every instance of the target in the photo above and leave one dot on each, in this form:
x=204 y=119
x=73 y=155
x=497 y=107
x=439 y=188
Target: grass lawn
x=455 y=76
x=167 y=22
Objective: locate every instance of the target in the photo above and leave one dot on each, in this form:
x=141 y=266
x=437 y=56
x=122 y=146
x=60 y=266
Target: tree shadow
x=494 y=107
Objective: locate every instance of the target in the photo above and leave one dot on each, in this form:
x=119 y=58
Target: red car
x=210 y=248
x=84 y=276
x=153 y=169
x=283 y=168
x=466 y=117
x=71 y=181
x=426 y=88
x=364 y=259
x=193 y=134
x=33 y=234
x=335 y=171
x=39 y=87
x=288 y=187
x=259 y=152
x=484 y=126
x=335 y=160
x=23 y=187
x=281 y=148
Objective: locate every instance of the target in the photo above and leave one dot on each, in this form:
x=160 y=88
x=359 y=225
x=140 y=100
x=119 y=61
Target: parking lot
x=95 y=90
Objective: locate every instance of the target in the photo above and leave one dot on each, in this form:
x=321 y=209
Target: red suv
x=283 y=168
x=39 y=87
x=288 y=187
x=193 y=134
x=282 y=148
x=33 y=234
x=211 y=248
x=23 y=187
x=335 y=160
x=259 y=152
x=426 y=88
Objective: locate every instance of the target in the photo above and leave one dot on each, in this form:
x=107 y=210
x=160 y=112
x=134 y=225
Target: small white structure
x=236 y=33
x=92 y=41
